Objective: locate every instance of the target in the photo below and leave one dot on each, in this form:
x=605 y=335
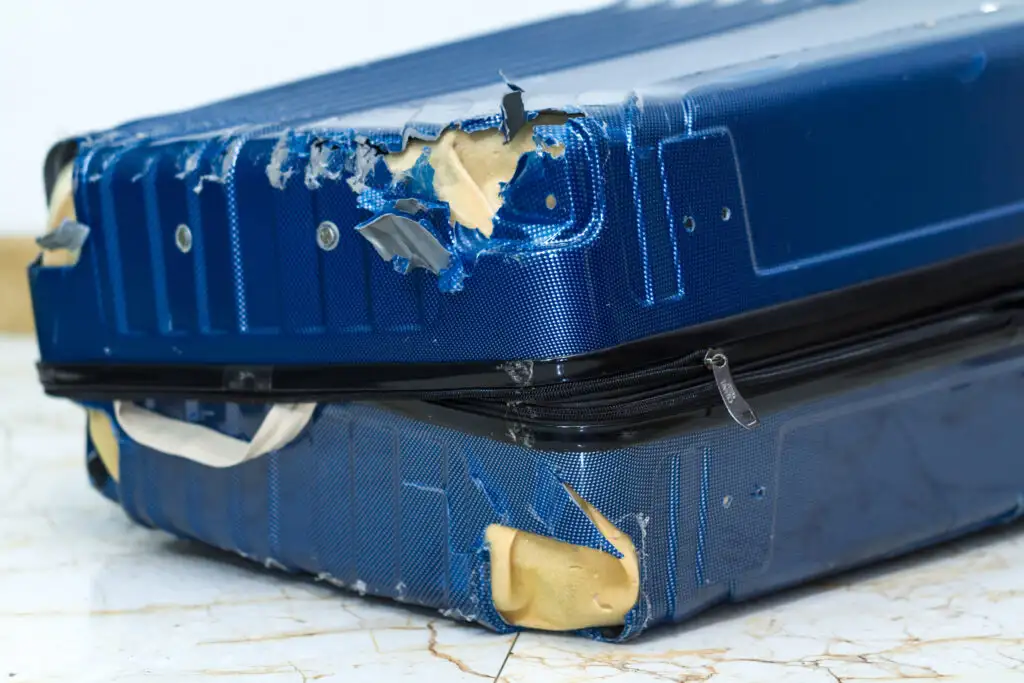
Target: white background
x=70 y=66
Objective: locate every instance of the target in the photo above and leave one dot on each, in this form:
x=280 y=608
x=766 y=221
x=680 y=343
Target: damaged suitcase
x=587 y=325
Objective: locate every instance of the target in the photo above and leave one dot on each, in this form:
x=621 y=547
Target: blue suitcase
x=699 y=301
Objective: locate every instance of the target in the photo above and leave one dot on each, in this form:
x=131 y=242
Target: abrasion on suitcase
x=586 y=325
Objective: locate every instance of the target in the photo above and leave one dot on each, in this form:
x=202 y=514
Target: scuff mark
x=271 y=563
x=361 y=163
x=642 y=521
x=323 y=163
x=456 y=614
x=227 y=164
x=146 y=166
x=105 y=165
x=494 y=499
x=277 y=173
x=189 y=162
x=521 y=435
x=545 y=524
x=520 y=371
x=328 y=578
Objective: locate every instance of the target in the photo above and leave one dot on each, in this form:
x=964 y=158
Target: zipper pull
x=738 y=408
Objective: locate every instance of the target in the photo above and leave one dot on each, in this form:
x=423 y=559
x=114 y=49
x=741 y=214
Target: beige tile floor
x=85 y=596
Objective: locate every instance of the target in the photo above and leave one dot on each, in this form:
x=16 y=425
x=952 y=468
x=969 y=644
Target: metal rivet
x=727 y=502
x=327 y=235
x=689 y=223
x=183 y=238
x=726 y=213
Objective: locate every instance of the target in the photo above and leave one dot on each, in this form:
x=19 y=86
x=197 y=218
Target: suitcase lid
x=681 y=165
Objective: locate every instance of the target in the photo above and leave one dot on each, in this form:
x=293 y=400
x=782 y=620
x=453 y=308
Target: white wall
x=69 y=66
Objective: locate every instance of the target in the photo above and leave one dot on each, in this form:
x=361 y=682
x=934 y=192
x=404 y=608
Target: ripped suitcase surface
x=587 y=325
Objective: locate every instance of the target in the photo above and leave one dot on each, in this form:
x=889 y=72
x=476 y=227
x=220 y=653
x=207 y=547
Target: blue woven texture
x=688 y=197
x=393 y=507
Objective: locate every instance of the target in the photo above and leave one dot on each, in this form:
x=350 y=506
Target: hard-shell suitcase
x=586 y=325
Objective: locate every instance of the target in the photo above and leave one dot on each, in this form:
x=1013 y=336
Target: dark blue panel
x=684 y=198
x=892 y=150
x=378 y=535
x=399 y=508
x=171 y=210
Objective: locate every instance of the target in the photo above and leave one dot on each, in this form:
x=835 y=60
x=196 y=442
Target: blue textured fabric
x=725 y=157
x=379 y=503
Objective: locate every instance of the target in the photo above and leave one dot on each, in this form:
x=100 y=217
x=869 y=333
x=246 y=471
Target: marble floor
x=86 y=596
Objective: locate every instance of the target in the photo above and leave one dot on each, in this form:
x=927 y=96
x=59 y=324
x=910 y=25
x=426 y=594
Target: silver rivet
x=689 y=223
x=327 y=235
x=727 y=502
x=183 y=238
x=726 y=213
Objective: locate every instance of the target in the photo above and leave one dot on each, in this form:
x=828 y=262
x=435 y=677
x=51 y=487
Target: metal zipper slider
x=738 y=408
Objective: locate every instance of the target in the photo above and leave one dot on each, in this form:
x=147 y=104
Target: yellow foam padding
x=539 y=582
x=469 y=168
x=101 y=431
x=62 y=206
x=16 y=253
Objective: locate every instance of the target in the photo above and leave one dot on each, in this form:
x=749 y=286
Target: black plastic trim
x=771 y=386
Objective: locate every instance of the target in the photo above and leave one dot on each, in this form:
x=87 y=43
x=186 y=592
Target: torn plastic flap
x=393 y=235
x=553 y=511
x=325 y=161
x=277 y=170
x=513 y=112
x=360 y=163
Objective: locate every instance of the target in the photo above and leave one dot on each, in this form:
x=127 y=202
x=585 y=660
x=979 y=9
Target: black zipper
x=699 y=382
x=651 y=381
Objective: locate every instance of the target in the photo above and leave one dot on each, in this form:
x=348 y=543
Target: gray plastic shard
x=410 y=205
x=70 y=235
x=513 y=112
x=392 y=235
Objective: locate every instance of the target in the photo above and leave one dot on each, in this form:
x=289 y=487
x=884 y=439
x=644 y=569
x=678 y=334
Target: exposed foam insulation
x=62 y=207
x=539 y=582
x=470 y=168
x=101 y=432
